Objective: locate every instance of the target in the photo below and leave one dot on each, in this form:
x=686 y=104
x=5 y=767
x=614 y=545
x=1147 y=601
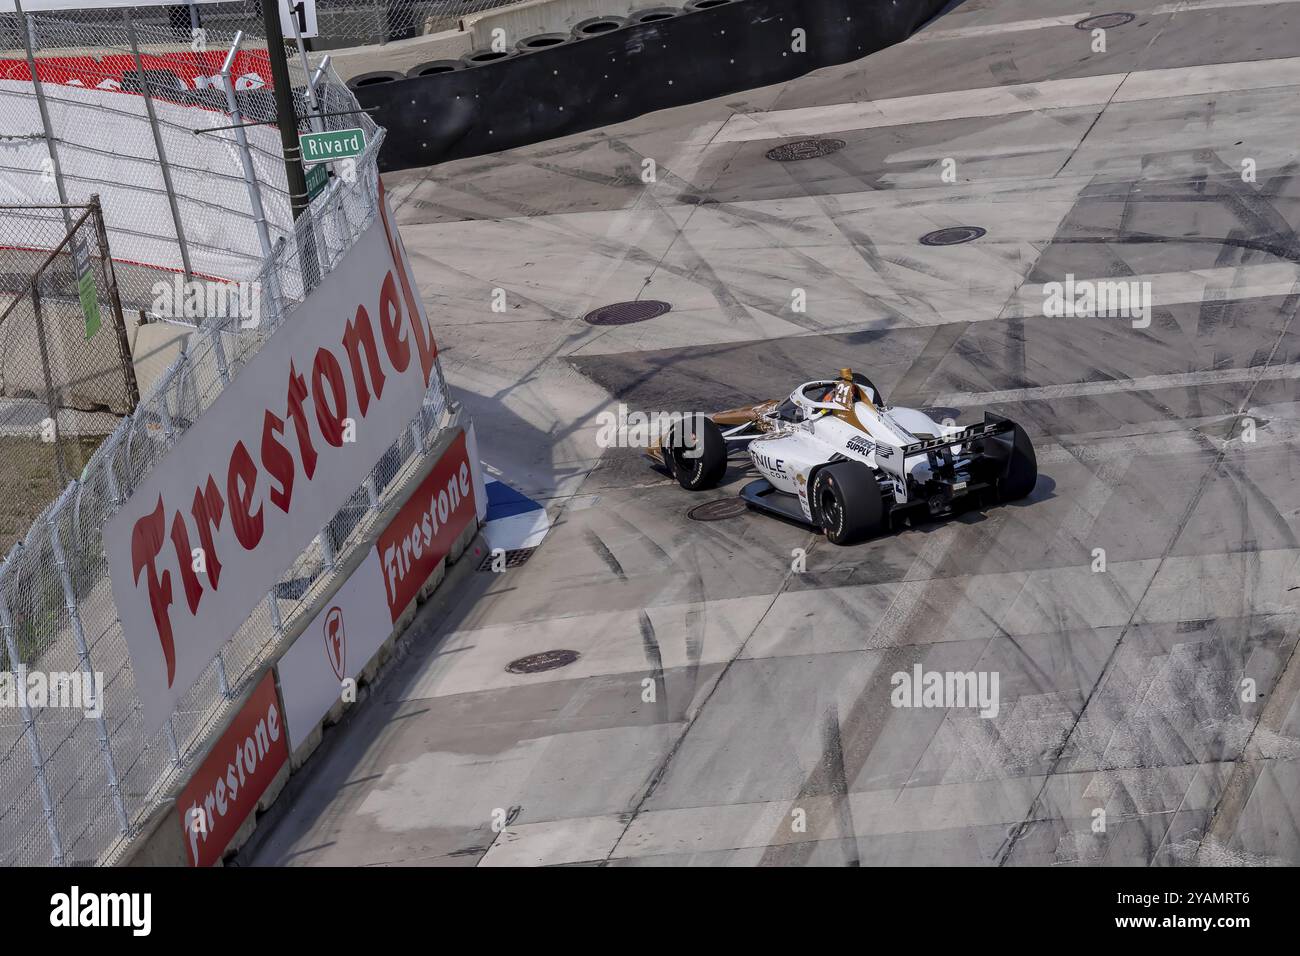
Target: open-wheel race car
x=836 y=457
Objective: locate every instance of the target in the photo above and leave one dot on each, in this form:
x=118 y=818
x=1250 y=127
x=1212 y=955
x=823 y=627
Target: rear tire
x=696 y=453
x=1022 y=469
x=847 y=502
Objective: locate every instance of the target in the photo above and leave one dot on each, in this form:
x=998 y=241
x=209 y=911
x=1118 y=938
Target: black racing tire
x=542 y=41
x=597 y=26
x=434 y=68
x=478 y=58
x=1022 y=469
x=847 y=502
x=653 y=15
x=373 y=78
x=696 y=472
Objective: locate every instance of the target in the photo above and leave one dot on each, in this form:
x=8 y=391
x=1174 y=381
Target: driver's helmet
x=844 y=392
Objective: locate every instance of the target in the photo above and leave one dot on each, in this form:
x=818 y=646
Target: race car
x=834 y=456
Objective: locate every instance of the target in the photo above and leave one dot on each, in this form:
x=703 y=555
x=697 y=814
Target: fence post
x=250 y=176
x=29 y=721
x=28 y=26
x=83 y=656
x=158 y=145
x=50 y=402
x=115 y=299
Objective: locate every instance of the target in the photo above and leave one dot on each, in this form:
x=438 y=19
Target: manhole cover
x=513 y=559
x=625 y=313
x=952 y=236
x=718 y=510
x=545 y=661
x=1104 y=21
x=804 y=149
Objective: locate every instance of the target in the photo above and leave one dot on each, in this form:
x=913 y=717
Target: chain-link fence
x=340 y=23
x=65 y=365
x=75 y=789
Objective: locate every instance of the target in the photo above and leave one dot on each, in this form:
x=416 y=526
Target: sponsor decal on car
x=774 y=465
x=862 y=446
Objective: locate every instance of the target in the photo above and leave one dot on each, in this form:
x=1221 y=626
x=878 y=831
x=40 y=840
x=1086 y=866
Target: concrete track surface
x=1125 y=691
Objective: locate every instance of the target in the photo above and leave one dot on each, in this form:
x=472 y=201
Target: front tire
x=696 y=453
x=847 y=502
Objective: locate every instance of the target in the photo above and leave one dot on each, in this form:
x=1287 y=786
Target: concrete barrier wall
x=622 y=74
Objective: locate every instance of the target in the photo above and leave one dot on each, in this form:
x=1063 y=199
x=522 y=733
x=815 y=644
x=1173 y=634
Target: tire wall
x=622 y=74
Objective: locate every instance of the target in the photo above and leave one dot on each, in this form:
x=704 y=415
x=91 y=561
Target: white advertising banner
x=338 y=642
x=348 y=631
x=210 y=530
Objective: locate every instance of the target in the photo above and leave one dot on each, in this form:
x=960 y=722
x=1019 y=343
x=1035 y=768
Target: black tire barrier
x=694 y=5
x=486 y=57
x=596 y=26
x=373 y=78
x=542 y=41
x=653 y=15
x=432 y=67
x=612 y=77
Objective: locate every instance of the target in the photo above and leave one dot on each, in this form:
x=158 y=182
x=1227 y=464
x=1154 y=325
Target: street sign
x=332 y=145
x=304 y=11
x=317 y=176
x=86 y=291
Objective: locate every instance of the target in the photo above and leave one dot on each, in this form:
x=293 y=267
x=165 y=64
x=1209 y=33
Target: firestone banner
x=358 y=619
x=205 y=536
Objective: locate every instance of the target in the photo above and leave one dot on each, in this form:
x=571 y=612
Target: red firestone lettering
x=277 y=460
x=146 y=544
x=297 y=392
x=207 y=510
x=240 y=479
x=359 y=334
x=326 y=369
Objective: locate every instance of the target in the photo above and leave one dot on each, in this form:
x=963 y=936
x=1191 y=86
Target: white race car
x=836 y=457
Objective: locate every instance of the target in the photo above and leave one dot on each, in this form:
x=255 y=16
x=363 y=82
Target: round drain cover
x=1104 y=21
x=804 y=149
x=545 y=661
x=952 y=236
x=625 y=313
x=718 y=510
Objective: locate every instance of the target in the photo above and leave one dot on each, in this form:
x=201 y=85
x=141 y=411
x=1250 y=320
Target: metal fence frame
x=91 y=214
x=74 y=790
x=342 y=23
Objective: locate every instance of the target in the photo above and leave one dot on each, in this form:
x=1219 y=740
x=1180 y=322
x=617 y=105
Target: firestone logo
x=444 y=503
x=336 y=641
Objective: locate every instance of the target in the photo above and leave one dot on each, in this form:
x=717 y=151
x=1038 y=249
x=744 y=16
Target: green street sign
x=317 y=176
x=335 y=144
x=86 y=291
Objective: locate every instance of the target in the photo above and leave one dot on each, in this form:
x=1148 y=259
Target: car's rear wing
x=893 y=458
